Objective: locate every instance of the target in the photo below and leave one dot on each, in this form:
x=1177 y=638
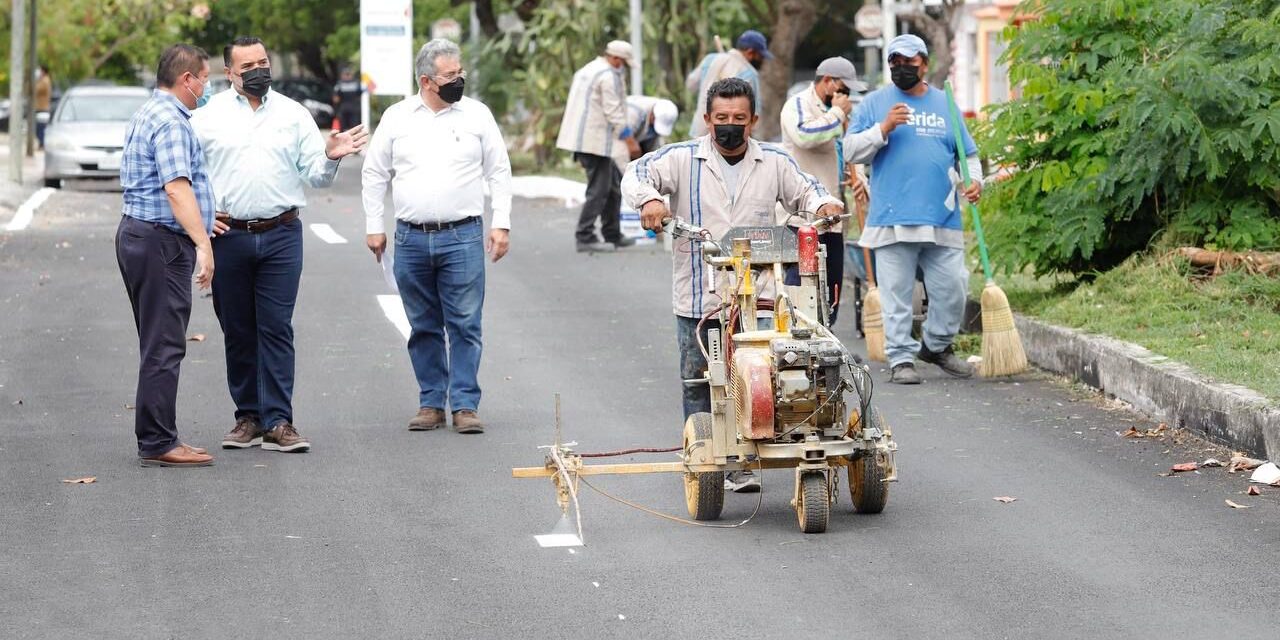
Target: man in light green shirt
x=262 y=149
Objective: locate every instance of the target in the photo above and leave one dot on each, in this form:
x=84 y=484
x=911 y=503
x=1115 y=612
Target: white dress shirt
x=260 y=161
x=437 y=164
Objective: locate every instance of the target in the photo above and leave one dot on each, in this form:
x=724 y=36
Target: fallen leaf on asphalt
x=1236 y=506
x=199 y=337
x=1004 y=499
x=1211 y=462
x=1241 y=462
x=85 y=480
x=1186 y=466
x=1254 y=491
x=1133 y=432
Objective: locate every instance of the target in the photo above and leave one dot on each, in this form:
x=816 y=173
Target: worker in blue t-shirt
x=904 y=132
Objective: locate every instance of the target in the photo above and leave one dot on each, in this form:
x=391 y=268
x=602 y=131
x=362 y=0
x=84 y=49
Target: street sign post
x=869 y=21
x=386 y=49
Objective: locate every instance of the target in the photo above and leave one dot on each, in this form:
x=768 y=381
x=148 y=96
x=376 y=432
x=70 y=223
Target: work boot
x=595 y=247
x=466 y=421
x=428 y=418
x=623 y=242
x=285 y=438
x=904 y=373
x=743 y=481
x=947 y=360
x=247 y=433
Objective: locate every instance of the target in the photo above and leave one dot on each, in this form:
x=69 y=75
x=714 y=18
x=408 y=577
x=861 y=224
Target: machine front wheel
x=703 y=491
x=814 y=507
x=867 y=472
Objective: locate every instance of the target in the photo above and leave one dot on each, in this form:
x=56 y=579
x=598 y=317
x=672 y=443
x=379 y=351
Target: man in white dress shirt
x=262 y=149
x=437 y=150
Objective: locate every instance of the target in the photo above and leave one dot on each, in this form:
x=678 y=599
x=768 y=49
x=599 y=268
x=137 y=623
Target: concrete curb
x=1169 y=391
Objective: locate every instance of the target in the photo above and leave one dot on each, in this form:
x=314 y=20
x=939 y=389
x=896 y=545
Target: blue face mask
x=203 y=98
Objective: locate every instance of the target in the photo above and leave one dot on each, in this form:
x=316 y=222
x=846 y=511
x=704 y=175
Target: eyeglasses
x=450 y=77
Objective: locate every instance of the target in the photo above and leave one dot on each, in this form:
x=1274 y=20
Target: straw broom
x=872 y=322
x=1002 y=352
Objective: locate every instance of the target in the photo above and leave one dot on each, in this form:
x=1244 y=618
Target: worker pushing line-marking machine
x=777 y=394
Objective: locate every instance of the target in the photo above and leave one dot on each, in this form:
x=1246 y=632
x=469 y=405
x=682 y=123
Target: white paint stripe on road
x=393 y=308
x=326 y=233
x=22 y=218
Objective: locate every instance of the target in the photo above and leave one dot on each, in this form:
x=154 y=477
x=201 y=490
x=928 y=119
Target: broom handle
x=866 y=253
x=964 y=173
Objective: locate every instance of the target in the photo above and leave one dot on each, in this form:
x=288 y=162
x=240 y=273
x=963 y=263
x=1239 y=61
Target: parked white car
x=85 y=138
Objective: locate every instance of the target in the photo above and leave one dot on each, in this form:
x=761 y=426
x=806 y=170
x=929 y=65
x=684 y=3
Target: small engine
x=786 y=381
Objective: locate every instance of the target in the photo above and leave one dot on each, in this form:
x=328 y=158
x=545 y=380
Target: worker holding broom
x=903 y=131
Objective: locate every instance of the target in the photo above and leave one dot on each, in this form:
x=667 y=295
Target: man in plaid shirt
x=163 y=237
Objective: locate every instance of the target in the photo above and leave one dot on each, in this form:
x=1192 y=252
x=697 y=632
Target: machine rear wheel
x=814 y=508
x=703 y=491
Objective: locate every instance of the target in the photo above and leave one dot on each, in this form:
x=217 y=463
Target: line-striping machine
x=778 y=395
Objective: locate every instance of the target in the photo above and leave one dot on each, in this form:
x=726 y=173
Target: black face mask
x=730 y=136
x=757 y=63
x=844 y=91
x=905 y=76
x=452 y=92
x=256 y=82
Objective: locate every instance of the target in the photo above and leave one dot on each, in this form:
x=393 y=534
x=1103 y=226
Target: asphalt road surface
x=383 y=533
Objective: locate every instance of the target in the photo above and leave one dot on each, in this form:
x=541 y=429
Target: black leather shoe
x=624 y=242
x=904 y=373
x=947 y=360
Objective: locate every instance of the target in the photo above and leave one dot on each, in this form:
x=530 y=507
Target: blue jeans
x=255 y=287
x=697 y=397
x=945 y=278
x=441 y=279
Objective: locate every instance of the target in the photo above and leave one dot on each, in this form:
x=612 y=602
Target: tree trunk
x=793 y=19
x=938 y=33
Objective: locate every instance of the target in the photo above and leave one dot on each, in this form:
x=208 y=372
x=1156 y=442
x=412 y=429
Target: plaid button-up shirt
x=159 y=147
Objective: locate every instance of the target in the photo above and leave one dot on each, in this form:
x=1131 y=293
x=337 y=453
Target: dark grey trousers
x=157 y=264
x=604 y=199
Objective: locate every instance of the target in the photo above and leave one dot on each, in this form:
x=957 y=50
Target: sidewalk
x=12 y=195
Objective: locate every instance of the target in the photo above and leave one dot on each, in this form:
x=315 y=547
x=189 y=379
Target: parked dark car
x=315 y=95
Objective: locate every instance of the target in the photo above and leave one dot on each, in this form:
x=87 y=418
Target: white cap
x=619 y=48
x=664 y=117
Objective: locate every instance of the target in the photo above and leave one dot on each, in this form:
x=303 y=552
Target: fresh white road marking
x=393 y=308
x=326 y=233
x=27 y=211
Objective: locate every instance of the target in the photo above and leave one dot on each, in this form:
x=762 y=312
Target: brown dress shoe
x=466 y=421
x=285 y=438
x=179 y=456
x=193 y=449
x=427 y=419
x=247 y=433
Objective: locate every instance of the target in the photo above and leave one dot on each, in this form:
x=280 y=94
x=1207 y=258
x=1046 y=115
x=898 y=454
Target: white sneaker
x=741 y=482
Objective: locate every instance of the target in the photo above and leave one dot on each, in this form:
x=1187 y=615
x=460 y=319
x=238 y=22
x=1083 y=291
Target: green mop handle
x=964 y=172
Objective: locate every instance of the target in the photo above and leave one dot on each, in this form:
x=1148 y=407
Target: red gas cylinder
x=808 y=239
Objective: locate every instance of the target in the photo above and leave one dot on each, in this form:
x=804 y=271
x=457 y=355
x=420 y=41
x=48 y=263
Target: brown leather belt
x=262 y=224
x=431 y=227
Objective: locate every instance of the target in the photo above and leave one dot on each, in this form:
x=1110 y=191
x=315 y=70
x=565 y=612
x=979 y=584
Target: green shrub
x=1138 y=120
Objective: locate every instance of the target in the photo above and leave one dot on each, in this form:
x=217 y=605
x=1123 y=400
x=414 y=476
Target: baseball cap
x=908 y=46
x=619 y=48
x=664 y=117
x=841 y=69
x=752 y=39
